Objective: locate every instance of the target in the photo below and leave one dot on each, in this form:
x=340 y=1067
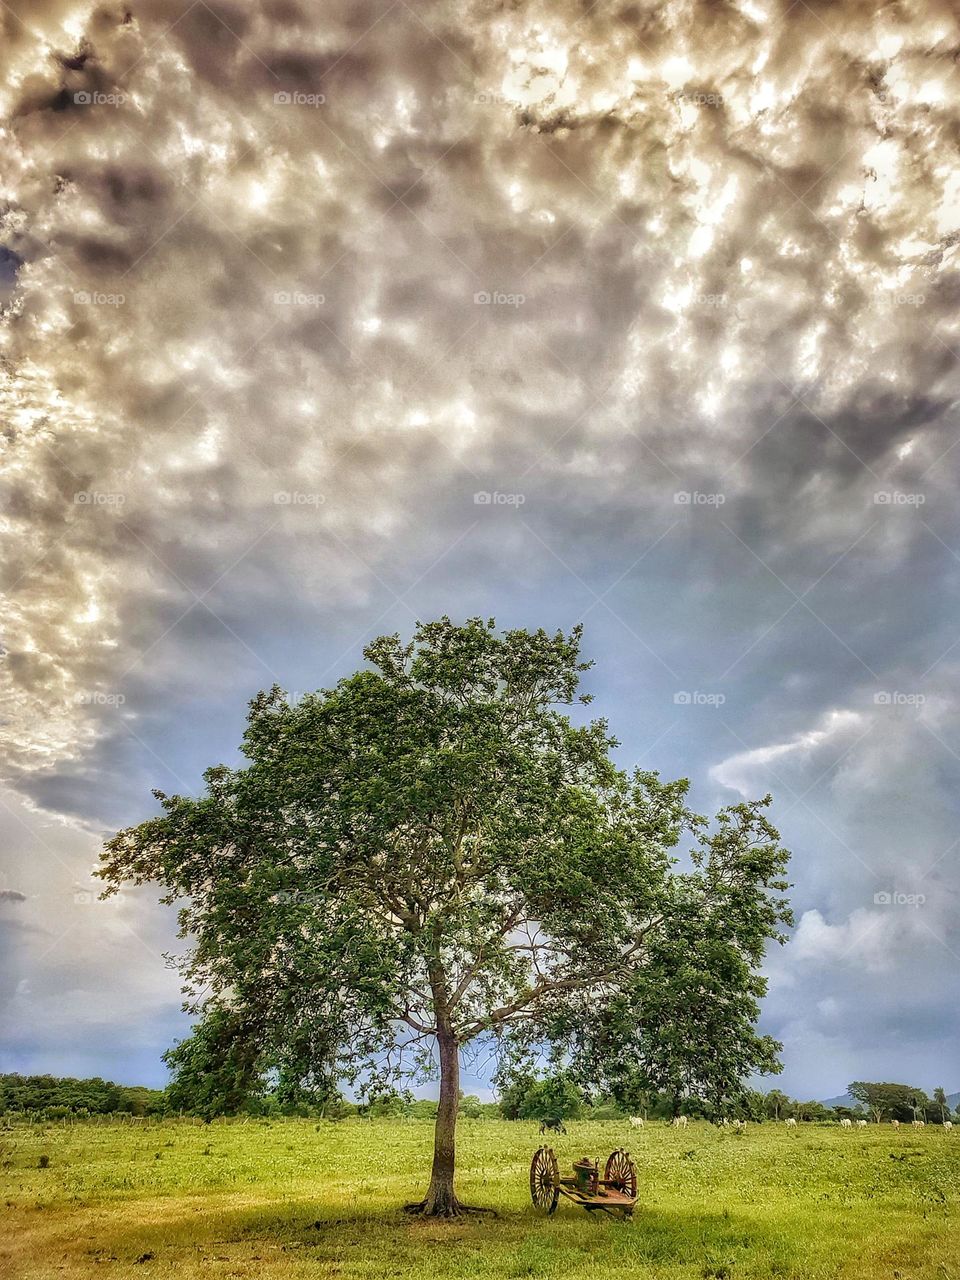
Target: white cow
x=791 y=1123
x=861 y=1124
x=919 y=1124
x=679 y=1122
x=740 y=1126
x=895 y=1123
x=636 y=1122
x=948 y=1124
x=846 y=1123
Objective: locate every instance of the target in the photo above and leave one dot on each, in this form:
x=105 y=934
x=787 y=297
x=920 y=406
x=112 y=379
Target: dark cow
x=554 y=1126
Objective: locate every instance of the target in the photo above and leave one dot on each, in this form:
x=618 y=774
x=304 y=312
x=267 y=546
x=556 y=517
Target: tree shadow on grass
x=520 y=1241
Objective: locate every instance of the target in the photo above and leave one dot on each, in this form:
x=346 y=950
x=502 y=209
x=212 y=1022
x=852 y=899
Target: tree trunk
x=441 y=1199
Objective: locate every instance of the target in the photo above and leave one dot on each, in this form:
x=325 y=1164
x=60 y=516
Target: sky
x=317 y=318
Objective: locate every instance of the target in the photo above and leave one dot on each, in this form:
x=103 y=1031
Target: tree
x=897 y=1101
x=940 y=1102
x=776 y=1104
x=213 y=1069
x=432 y=853
x=551 y=1097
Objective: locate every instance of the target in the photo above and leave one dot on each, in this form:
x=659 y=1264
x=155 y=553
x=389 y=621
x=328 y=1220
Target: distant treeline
x=55 y=1096
x=528 y=1097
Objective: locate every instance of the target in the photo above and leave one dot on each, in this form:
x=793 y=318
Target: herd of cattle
x=740 y=1126
x=680 y=1122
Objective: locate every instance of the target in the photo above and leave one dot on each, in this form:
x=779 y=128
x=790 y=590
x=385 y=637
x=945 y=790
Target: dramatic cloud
x=284 y=287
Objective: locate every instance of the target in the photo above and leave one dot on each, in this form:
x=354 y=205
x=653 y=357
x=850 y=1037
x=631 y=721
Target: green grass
x=287 y=1199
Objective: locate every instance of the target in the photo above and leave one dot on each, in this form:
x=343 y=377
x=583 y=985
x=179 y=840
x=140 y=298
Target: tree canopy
x=888 y=1101
x=433 y=852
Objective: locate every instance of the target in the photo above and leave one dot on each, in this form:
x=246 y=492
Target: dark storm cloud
x=295 y=281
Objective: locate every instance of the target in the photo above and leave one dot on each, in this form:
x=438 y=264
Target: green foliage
x=893 y=1101
x=216 y=1069
x=58 y=1097
x=433 y=851
x=551 y=1097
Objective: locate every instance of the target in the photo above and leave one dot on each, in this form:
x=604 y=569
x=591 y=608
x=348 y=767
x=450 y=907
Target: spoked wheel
x=545 y=1179
x=621 y=1173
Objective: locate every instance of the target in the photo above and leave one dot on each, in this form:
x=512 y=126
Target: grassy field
x=292 y=1198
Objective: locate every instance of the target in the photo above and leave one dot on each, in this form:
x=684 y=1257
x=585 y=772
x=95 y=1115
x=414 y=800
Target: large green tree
x=890 y=1101
x=432 y=853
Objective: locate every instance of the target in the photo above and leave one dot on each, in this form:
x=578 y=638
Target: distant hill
x=844 y=1100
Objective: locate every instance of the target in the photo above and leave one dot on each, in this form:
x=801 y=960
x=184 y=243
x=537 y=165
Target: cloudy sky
x=287 y=288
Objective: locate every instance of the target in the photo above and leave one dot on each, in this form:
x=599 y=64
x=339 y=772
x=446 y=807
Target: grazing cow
x=895 y=1123
x=636 y=1122
x=948 y=1124
x=556 y=1126
x=740 y=1126
x=791 y=1123
x=679 y=1122
x=846 y=1123
x=861 y=1124
x=919 y=1124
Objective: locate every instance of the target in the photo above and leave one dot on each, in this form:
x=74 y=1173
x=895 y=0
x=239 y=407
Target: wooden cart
x=615 y=1193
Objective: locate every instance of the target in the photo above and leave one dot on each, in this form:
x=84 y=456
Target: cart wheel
x=545 y=1179
x=621 y=1173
